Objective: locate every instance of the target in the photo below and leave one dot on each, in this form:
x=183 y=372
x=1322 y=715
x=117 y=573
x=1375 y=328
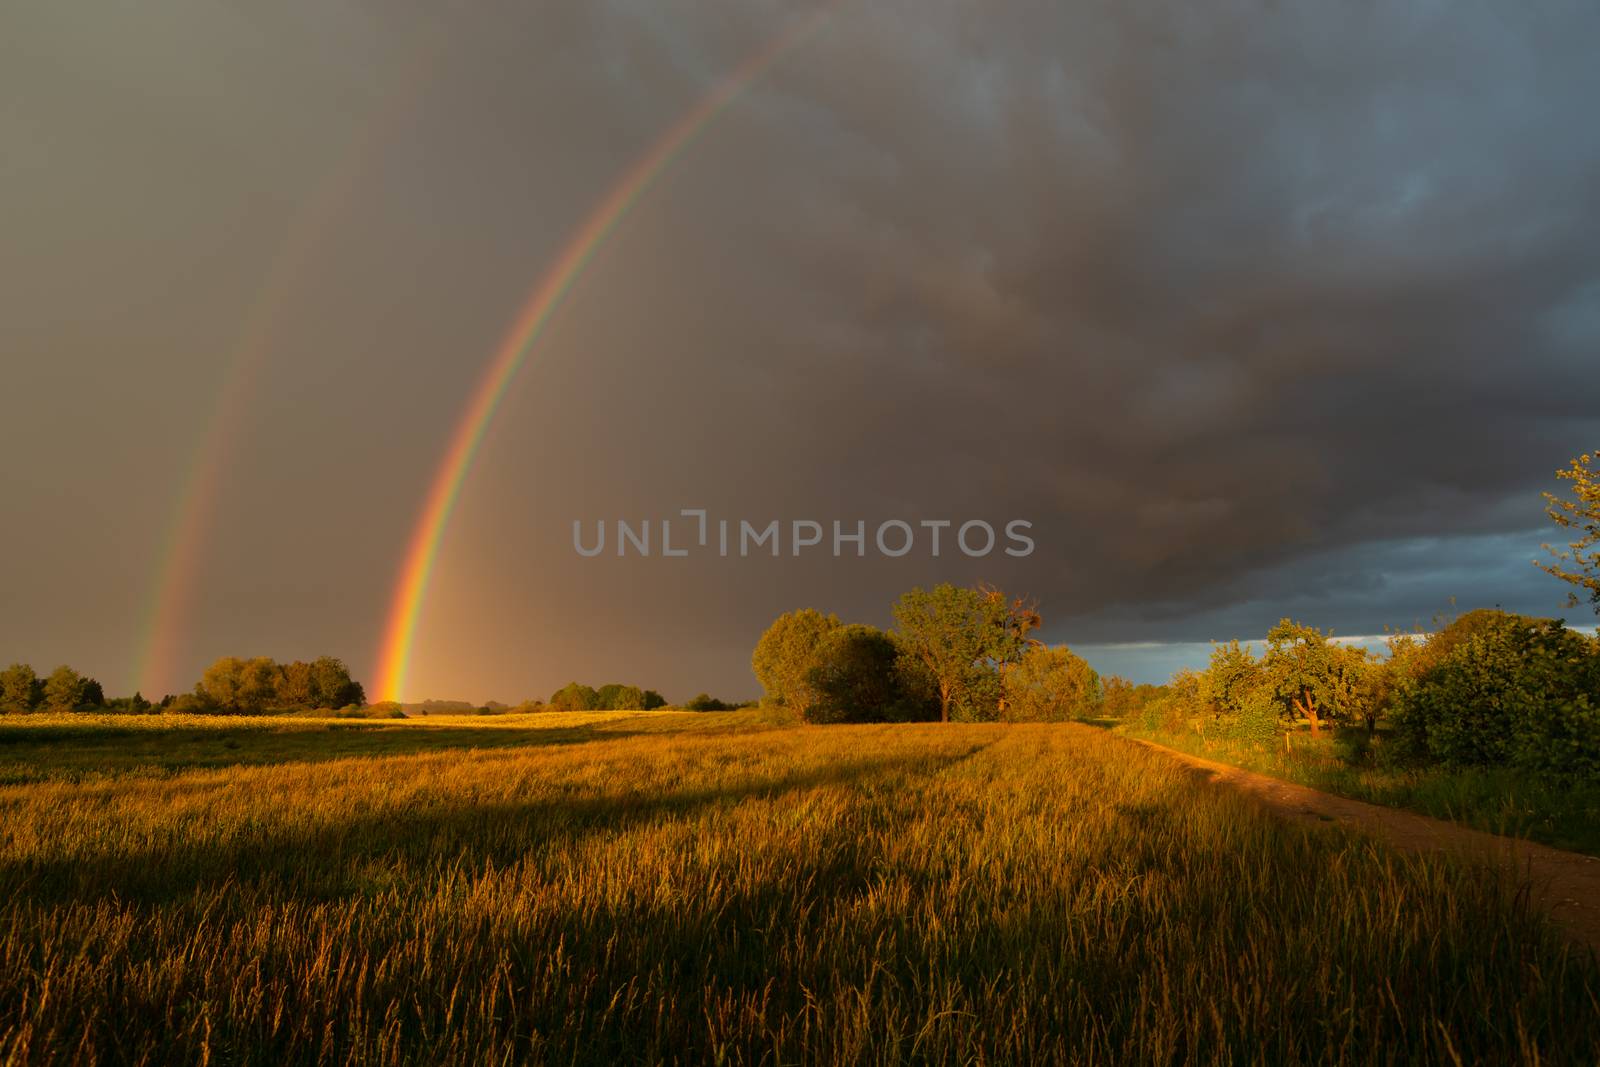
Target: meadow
x=1562 y=812
x=716 y=888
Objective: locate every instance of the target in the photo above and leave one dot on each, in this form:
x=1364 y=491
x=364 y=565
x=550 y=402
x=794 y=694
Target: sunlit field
x=596 y=887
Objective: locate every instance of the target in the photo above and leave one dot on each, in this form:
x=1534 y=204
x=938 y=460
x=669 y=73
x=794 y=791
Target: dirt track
x=1566 y=884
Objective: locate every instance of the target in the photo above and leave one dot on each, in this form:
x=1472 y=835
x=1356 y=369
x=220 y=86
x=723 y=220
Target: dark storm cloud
x=1253 y=309
x=1209 y=292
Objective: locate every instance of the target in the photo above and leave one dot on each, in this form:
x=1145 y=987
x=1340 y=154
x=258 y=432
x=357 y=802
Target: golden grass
x=704 y=888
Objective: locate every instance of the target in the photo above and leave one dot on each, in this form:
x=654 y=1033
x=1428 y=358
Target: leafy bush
x=1257 y=720
x=1517 y=692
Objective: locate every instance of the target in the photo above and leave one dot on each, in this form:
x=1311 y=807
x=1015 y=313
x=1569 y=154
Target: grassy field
x=1501 y=800
x=719 y=888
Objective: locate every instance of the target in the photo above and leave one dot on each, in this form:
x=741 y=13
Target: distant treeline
x=229 y=686
x=21 y=689
x=954 y=654
x=575 y=696
x=1485 y=689
x=255 y=686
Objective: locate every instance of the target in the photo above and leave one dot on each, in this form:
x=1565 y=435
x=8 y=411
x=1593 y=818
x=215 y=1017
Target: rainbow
x=546 y=296
x=178 y=566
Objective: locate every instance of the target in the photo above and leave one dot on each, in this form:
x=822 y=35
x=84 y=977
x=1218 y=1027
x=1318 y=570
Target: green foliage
x=1578 y=564
x=1051 y=685
x=240 y=686
x=1358 y=683
x=1234 y=675
x=196 y=703
x=615 y=697
x=253 y=686
x=67 y=690
x=1124 y=700
x=653 y=700
x=332 y=686
x=857 y=677
x=959 y=637
x=20 y=688
x=575 y=697
x=1518 y=692
x=1256 y=720
x=785 y=655
x=707 y=702
x=1299 y=667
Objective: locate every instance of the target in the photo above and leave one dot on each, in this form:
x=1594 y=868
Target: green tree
x=958 y=636
x=616 y=697
x=574 y=697
x=20 y=688
x=855 y=677
x=63 y=690
x=1233 y=675
x=297 y=687
x=1051 y=685
x=219 y=683
x=1120 y=698
x=653 y=700
x=785 y=654
x=332 y=686
x=1578 y=564
x=94 y=694
x=1299 y=667
x=243 y=686
x=1359 y=684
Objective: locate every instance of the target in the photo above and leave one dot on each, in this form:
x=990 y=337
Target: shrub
x=1257 y=720
x=1517 y=692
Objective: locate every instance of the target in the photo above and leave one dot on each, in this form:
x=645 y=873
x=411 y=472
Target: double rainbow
x=177 y=571
x=546 y=296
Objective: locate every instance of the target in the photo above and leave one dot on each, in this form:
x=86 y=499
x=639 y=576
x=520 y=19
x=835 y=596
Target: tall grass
x=741 y=893
x=1562 y=812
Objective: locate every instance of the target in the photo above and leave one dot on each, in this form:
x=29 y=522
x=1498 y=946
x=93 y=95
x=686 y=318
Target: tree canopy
x=785 y=655
x=1578 y=564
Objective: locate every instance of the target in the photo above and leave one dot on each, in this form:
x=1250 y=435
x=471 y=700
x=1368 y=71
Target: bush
x=1257 y=720
x=1517 y=692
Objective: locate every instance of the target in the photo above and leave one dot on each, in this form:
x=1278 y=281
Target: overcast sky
x=1252 y=309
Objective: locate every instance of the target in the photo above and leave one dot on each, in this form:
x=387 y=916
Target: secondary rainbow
x=176 y=572
x=423 y=548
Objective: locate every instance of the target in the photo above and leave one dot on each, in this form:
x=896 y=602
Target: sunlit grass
x=1563 y=813
x=711 y=887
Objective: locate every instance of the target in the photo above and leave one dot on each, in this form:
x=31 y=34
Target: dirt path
x=1566 y=884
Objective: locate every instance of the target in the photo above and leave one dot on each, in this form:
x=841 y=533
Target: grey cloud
x=1240 y=303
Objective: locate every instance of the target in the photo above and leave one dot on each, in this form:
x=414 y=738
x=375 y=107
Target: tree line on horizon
x=230 y=685
x=1488 y=688
x=64 y=689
